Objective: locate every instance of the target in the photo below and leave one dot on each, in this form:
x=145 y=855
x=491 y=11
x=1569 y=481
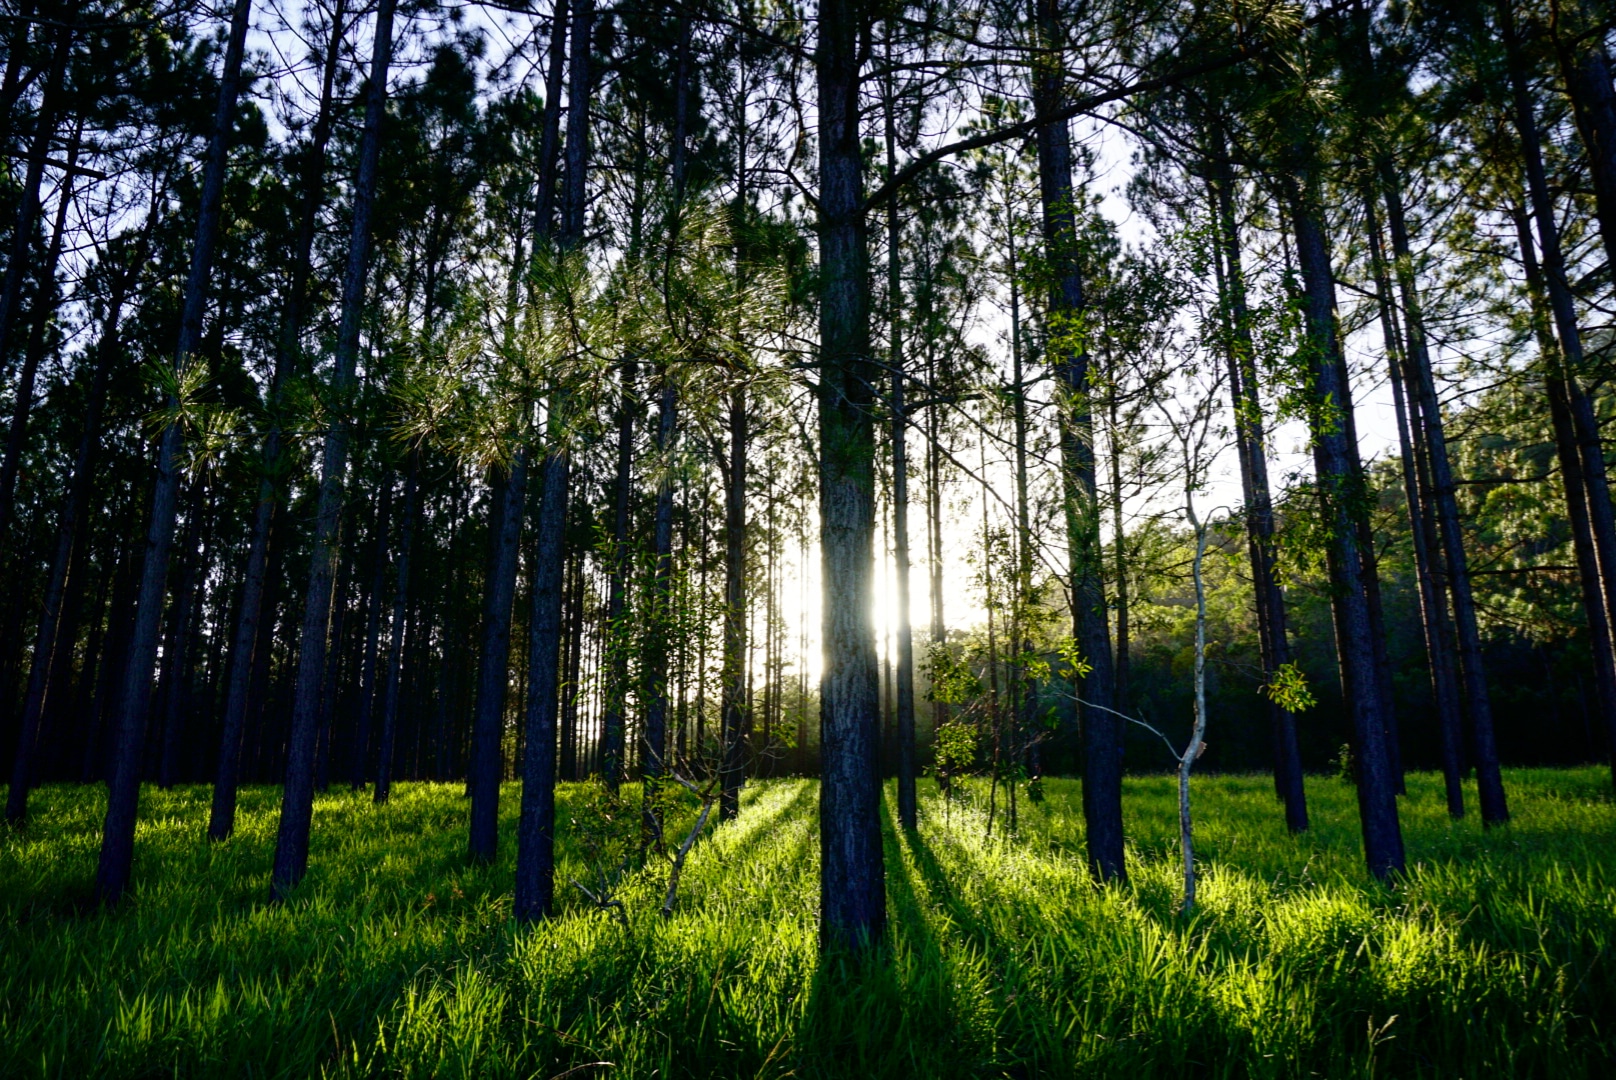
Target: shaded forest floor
x=398 y=958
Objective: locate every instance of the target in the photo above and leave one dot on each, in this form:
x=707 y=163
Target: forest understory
x=1491 y=957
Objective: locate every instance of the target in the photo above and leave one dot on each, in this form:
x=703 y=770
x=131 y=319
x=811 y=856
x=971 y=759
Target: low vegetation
x=398 y=957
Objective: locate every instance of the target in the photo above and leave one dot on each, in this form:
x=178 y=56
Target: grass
x=396 y=957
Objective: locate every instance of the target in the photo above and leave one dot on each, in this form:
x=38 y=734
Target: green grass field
x=1493 y=959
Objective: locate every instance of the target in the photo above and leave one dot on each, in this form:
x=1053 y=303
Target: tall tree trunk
x=493 y=676
x=732 y=677
x=1422 y=527
x=22 y=236
x=250 y=610
x=297 y=802
x=396 y=634
x=535 y=847
x=1561 y=390
x=852 y=888
x=617 y=587
x=359 y=771
x=1272 y=621
x=1102 y=773
x=908 y=765
x=1340 y=487
x=1422 y=388
x=535 y=856
x=123 y=796
x=1579 y=40
x=38 y=334
x=1568 y=362
x=52 y=642
x=176 y=673
x=660 y=614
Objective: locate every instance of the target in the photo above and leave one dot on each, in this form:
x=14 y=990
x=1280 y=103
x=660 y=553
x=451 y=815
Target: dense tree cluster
x=477 y=391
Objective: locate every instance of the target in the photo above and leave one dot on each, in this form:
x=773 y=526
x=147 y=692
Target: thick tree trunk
x=493 y=675
x=1102 y=773
x=1340 y=487
x=852 y=873
x=1422 y=388
x=297 y=802
x=123 y=796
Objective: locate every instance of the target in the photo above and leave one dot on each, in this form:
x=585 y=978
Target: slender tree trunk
x=1272 y=620
x=1340 y=486
x=617 y=587
x=659 y=616
x=1422 y=389
x=1578 y=492
x=177 y=655
x=908 y=765
x=118 y=832
x=250 y=611
x=535 y=857
x=1422 y=527
x=22 y=235
x=54 y=631
x=359 y=771
x=34 y=353
x=1102 y=775
x=535 y=847
x=397 y=639
x=493 y=676
x=1579 y=40
x=297 y=803
x=733 y=666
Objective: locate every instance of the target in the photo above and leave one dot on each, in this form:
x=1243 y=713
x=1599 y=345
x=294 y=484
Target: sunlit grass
x=398 y=957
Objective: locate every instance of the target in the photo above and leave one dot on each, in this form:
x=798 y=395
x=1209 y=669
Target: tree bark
x=53 y=620
x=1102 y=773
x=1272 y=621
x=1422 y=387
x=249 y=612
x=297 y=802
x=1342 y=498
x=535 y=851
x=617 y=588
x=123 y=796
x=732 y=676
x=396 y=639
x=852 y=873
x=493 y=675
x=1422 y=528
x=659 y=615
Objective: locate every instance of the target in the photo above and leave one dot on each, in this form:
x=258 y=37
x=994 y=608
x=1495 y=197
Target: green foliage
x=954 y=750
x=951 y=679
x=397 y=958
x=1289 y=690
